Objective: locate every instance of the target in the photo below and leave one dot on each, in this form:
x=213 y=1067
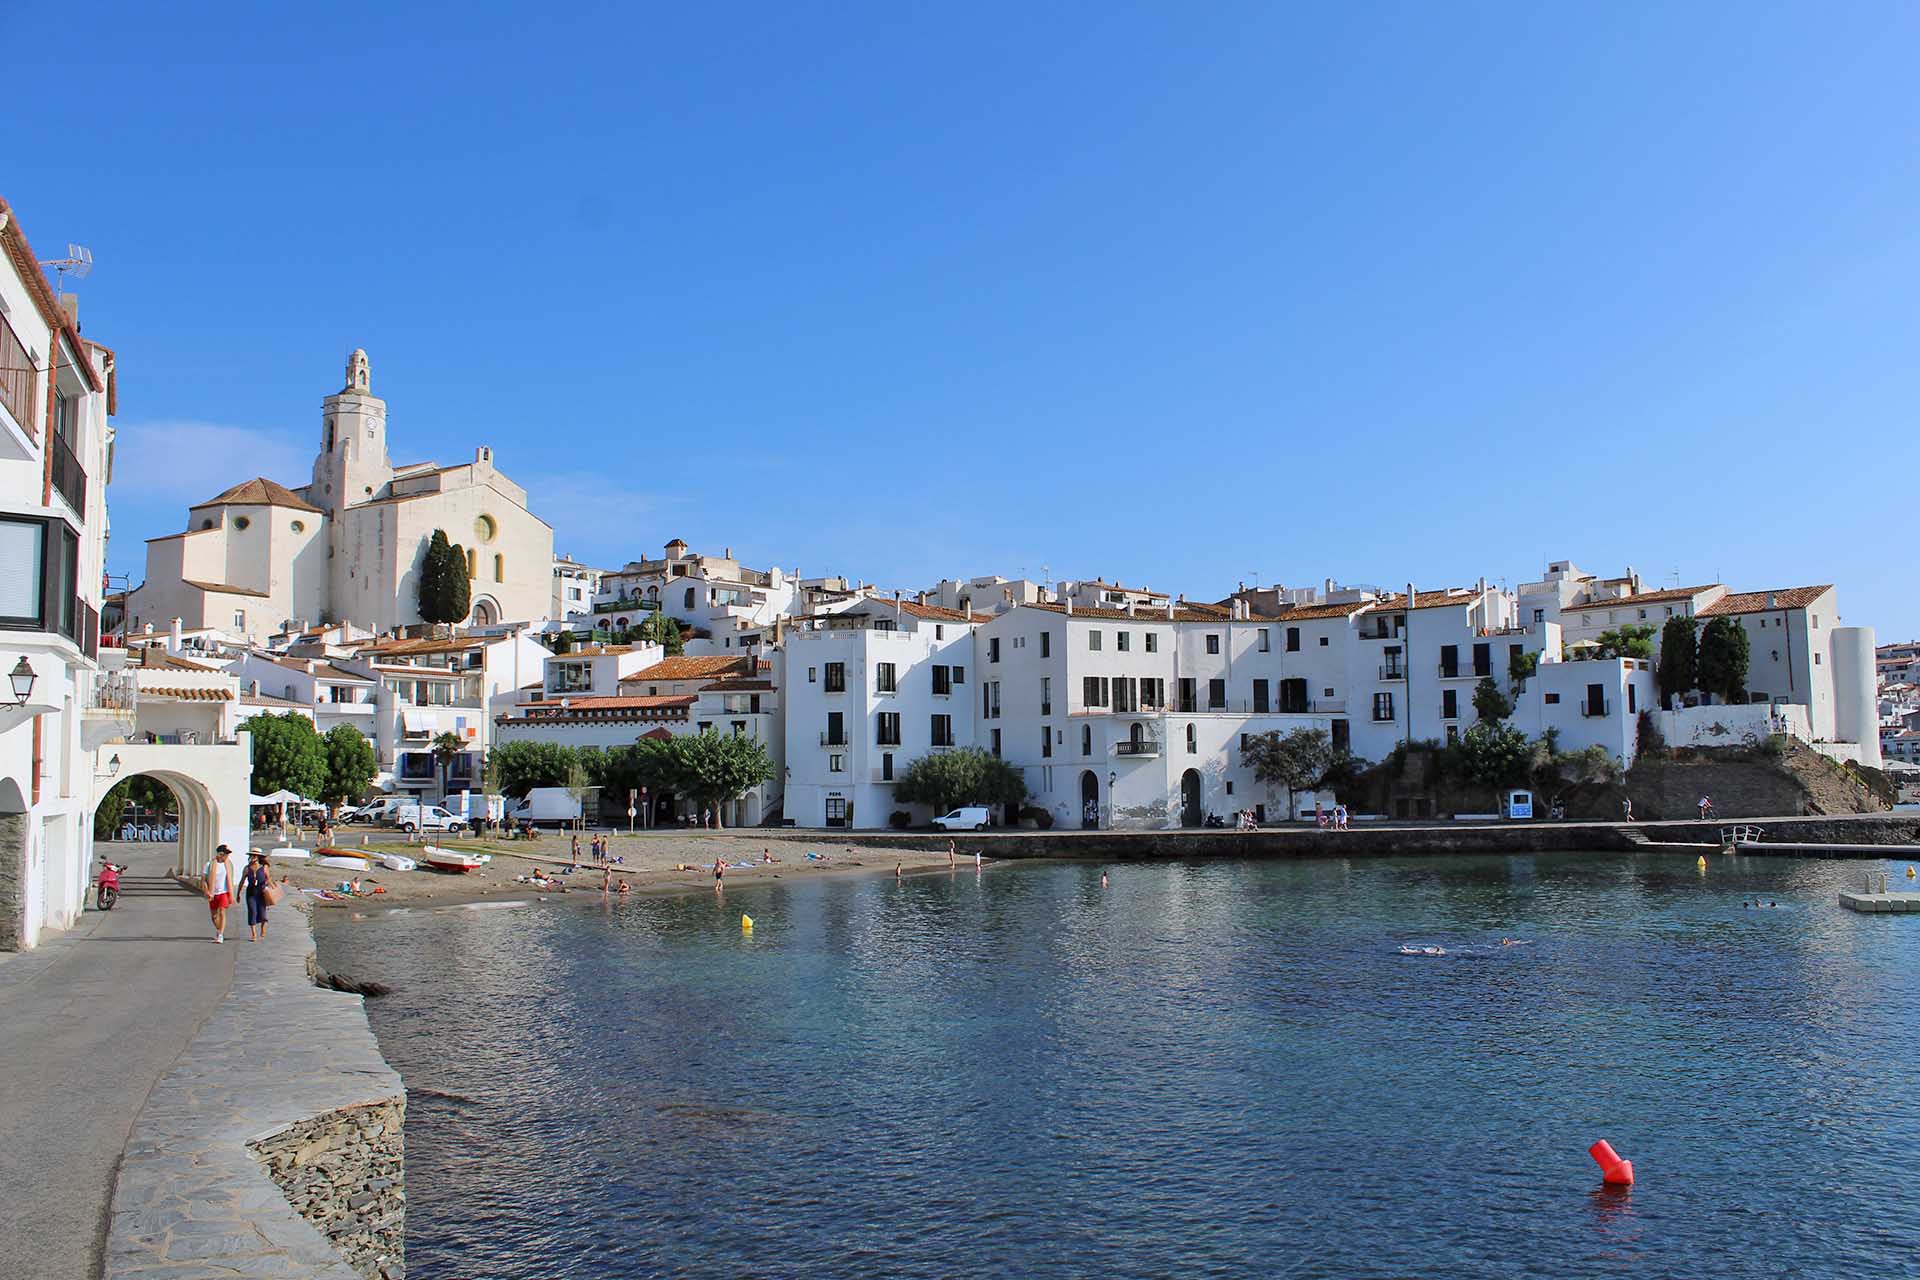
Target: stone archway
x=1191 y=814
x=209 y=786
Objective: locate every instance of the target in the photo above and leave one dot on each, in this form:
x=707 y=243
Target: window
x=1550 y=698
x=886 y=766
x=1483 y=659
x=1046 y=742
x=887 y=729
x=689 y=598
x=1086 y=739
x=1121 y=641
x=1633 y=700
x=1188 y=700
x=1216 y=695
x=1093 y=641
x=1260 y=703
x=836 y=729
x=1123 y=692
x=883 y=679
x=959 y=675
x=1153 y=692
x=1449 y=704
x=1383 y=706
x=1229 y=786
x=1193 y=741
x=1266 y=641
x=1046 y=695
x=1046 y=644
x=941 y=731
x=942 y=681
x=1153 y=643
x=836 y=677
x=1449 y=660
x=1342 y=736
x=993 y=649
x=1453 y=735
x=836 y=763
x=1213 y=644
x=990 y=699
x=473 y=562
x=996 y=742
x=1816 y=660
x=1323 y=642
x=499 y=568
x=939 y=631
x=1540 y=616
x=810 y=674
x=239 y=619
x=1093 y=691
x=1293 y=640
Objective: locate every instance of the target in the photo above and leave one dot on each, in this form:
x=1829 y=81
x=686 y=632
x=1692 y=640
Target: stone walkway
x=277 y=1058
x=90 y=1020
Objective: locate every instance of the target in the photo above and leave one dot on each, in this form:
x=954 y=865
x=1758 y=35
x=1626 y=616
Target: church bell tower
x=352 y=466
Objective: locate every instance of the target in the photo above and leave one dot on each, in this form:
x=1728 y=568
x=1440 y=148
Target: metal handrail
x=17 y=378
x=1391 y=672
x=68 y=477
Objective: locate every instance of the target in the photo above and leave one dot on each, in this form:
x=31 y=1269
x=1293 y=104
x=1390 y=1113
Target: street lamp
x=1112 y=778
x=113 y=767
x=23 y=677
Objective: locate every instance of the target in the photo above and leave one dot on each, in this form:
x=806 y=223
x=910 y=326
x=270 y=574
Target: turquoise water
x=1217 y=1069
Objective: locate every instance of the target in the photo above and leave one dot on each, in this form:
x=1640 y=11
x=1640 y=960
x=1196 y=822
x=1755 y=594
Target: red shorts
x=219 y=902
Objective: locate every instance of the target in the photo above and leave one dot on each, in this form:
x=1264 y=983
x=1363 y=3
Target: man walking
x=219 y=887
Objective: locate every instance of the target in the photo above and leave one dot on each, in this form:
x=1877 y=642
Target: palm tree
x=446 y=748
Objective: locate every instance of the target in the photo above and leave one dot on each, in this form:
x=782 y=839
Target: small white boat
x=289 y=855
x=397 y=862
x=449 y=860
x=345 y=862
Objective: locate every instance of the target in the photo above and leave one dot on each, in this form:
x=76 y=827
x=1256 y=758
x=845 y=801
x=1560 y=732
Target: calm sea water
x=1216 y=1069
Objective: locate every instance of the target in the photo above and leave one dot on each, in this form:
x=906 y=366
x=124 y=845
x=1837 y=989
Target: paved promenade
x=89 y=1022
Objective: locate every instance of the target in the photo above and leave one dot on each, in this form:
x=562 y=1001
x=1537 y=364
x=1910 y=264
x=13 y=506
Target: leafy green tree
x=1632 y=641
x=650 y=763
x=446 y=594
x=1722 y=665
x=1295 y=760
x=519 y=767
x=288 y=755
x=664 y=631
x=446 y=749
x=350 y=765
x=1679 y=670
x=1491 y=705
x=715 y=768
x=946 y=780
x=1494 y=754
x=562 y=642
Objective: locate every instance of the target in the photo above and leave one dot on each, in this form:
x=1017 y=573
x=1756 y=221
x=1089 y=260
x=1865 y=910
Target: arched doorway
x=485 y=612
x=1190 y=814
x=1089 y=799
x=211 y=801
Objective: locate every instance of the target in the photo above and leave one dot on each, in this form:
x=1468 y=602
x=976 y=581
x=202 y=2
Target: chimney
x=1069 y=606
x=173 y=638
x=969 y=608
x=729 y=553
x=253 y=688
x=1770 y=600
x=1169 y=609
x=1130 y=604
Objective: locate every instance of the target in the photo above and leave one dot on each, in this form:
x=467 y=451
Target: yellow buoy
x=1702 y=862
x=746 y=924
x=1909 y=871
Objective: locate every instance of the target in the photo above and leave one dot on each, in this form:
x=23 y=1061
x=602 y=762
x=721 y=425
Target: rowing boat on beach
x=449 y=860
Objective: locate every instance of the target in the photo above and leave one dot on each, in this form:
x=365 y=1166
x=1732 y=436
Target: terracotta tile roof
x=1765 y=601
x=154 y=658
x=738 y=686
x=401 y=648
x=321 y=670
x=1667 y=595
x=659 y=735
x=223 y=589
x=259 y=492
x=1451 y=597
x=684 y=668
x=1314 y=612
x=188 y=695
x=1146 y=613
x=597 y=651
x=268 y=700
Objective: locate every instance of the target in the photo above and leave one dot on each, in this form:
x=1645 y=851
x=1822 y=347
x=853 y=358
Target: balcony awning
x=416 y=723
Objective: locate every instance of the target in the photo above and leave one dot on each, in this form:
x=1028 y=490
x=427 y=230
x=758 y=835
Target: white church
x=348 y=545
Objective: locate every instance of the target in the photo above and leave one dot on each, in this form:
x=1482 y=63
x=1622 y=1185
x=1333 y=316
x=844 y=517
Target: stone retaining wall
x=1368 y=840
x=274 y=1146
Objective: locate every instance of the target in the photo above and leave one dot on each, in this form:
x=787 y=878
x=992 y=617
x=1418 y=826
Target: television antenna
x=78 y=264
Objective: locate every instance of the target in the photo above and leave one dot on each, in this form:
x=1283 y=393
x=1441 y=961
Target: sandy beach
x=651 y=862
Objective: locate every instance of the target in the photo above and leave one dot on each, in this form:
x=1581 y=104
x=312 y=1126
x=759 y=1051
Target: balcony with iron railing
x=1591 y=710
x=1393 y=671
x=1140 y=749
x=1457 y=672
x=833 y=738
x=69 y=480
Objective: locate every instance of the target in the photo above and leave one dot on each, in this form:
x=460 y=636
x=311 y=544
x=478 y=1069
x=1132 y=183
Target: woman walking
x=253 y=884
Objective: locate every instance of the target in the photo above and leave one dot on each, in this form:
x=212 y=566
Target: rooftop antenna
x=78 y=263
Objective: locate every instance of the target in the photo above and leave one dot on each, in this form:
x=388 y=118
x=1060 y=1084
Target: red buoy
x=1614 y=1171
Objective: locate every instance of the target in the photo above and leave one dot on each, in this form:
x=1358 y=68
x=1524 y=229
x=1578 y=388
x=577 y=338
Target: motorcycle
x=106 y=889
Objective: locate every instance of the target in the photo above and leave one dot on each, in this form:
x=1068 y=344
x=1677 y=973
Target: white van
x=971 y=817
x=426 y=817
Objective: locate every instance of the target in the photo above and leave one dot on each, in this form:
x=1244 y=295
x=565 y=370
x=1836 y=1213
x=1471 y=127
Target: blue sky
x=1182 y=294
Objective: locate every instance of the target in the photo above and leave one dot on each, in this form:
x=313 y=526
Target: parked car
x=427 y=817
x=971 y=817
